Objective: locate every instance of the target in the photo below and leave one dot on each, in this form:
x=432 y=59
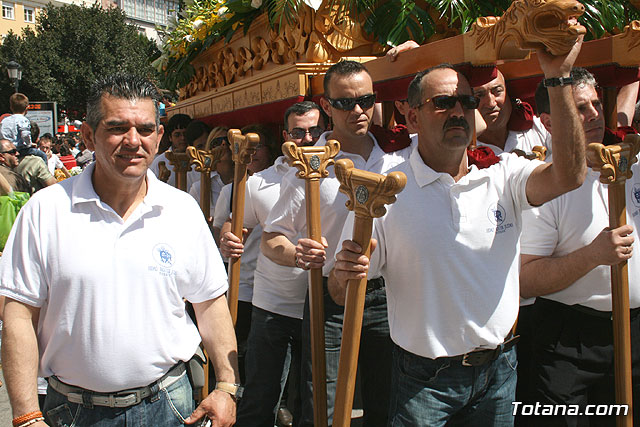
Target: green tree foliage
x=70 y=47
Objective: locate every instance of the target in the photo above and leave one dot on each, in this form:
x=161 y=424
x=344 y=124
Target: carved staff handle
x=312 y=163
x=205 y=161
x=368 y=193
x=180 y=163
x=614 y=164
x=243 y=147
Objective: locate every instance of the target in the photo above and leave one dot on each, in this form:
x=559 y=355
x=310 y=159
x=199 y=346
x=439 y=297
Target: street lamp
x=15 y=73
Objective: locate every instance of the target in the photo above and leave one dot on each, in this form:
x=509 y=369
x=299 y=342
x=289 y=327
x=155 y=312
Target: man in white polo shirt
x=349 y=100
x=567 y=249
x=448 y=250
x=274 y=343
x=112 y=331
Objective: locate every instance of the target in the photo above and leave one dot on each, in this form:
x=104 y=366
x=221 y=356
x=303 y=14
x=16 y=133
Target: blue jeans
x=428 y=392
x=272 y=347
x=374 y=362
x=167 y=408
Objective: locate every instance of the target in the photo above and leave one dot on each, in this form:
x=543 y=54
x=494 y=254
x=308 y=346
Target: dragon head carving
x=552 y=23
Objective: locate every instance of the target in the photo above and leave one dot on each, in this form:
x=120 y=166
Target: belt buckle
x=477 y=358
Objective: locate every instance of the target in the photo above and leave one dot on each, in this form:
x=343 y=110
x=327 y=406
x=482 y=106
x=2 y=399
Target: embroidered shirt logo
x=635 y=195
x=496 y=214
x=164 y=255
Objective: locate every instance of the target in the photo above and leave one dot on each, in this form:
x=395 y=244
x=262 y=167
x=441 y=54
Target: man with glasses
x=349 y=100
x=273 y=347
x=8 y=162
x=448 y=249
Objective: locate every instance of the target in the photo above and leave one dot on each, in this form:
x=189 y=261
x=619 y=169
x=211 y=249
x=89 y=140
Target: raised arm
x=626 y=103
x=20 y=357
x=568 y=169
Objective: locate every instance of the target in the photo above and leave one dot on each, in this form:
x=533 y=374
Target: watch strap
x=234 y=390
x=557 y=81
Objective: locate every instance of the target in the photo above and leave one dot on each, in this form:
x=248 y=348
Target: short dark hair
x=342 y=68
x=18 y=103
x=47 y=136
x=178 y=121
x=195 y=129
x=266 y=138
x=414 y=92
x=300 y=108
x=581 y=76
x=123 y=86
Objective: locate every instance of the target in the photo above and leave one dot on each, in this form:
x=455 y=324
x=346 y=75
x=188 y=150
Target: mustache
x=456 y=122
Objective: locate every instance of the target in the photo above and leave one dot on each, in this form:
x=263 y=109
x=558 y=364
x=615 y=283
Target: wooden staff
x=205 y=161
x=312 y=163
x=242 y=148
x=180 y=163
x=163 y=172
x=614 y=164
x=368 y=193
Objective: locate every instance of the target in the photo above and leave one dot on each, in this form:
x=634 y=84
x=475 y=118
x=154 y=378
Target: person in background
x=17 y=127
x=177 y=130
x=53 y=162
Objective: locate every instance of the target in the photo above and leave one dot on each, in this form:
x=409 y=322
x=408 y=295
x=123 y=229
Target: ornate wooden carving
x=180 y=163
x=538 y=152
x=203 y=160
x=526 y=25
x=312 y=162
x=164 y=172
x=614 y=161
x=626 y=46
x=242 y=146
x=368 y=192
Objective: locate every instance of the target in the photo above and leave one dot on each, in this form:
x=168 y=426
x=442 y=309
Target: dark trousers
x=374 y=362
x=525 y=350
x=573 y=361
x=273 y=346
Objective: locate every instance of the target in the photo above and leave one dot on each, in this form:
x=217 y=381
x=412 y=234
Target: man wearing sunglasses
x=569 y=239
x=349 y=100
x=8 y=162
x=448 y=249
x=273 y=346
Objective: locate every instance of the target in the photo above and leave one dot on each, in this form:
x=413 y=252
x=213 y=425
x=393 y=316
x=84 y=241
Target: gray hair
x=123 y=86
x=581 y=77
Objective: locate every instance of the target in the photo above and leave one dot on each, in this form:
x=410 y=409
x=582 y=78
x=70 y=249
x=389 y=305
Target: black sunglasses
x=299 y=133
x=347 y=104
x=13 y=151
x=446 y=102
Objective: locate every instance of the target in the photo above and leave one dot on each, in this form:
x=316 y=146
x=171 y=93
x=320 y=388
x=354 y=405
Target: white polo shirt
x=192 y=174
x=570 y=222
x=288 y=216
x=449 y=254
x=216 y=187
x=276 y=288
x=54 y=163
x=112 y=314
x=525 y=140
x=251 y=247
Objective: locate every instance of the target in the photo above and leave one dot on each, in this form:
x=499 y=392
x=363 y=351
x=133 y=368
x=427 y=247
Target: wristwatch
x=235 y=390
x=557 y=81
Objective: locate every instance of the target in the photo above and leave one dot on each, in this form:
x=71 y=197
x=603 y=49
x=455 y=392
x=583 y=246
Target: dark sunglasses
x=446 y=102
x=347 y=104
x=13 y=151
x=299 y=133
x=215 y=142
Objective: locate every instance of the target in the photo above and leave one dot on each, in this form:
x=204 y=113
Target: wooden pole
x=312 y=163
x=368 y=192
x=242 y=148
x=205 y=161
x=180 y=163
x=614 y=164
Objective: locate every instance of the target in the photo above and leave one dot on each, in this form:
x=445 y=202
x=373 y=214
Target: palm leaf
x=283 y=11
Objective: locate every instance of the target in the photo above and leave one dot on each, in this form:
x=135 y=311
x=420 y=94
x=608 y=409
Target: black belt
x=372 y=285
x=606 y=315
x=481 y=356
